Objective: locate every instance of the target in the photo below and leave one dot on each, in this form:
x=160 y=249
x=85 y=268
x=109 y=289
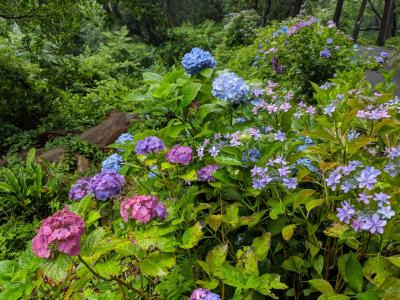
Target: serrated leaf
x=336 y=230
x=192 y=236
x=288 y=231
x=215 y=221
x=189 y=91
x=109 y=268
x=269 y=282
x=58 y=269
x=247 y=261
x=294 y=264
x=217 y=256
x=190 y=176
x=322 y=286
x=157 y=264
x=261 y=245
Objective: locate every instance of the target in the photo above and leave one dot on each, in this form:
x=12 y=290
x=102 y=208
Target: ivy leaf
x=288 y=231
x=192 y=236
x=261 y=245
x=322 y=286
x=351 y=270
x=157 y=264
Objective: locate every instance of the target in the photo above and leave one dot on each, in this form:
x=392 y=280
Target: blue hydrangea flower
x=123 y=138
x=230 y=87
x=326 y=53
x=112 y=163
x=196 y=60
x=251 y=155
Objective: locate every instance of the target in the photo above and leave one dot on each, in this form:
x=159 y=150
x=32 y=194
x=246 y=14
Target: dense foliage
x=261 y=162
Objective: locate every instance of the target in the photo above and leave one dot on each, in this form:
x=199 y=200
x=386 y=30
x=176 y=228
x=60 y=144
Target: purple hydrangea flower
x=203 y=294
x=112 y=163
x=106 y=185
x=386 y=212
x=80 y=189
x=368 y=178
x=329 y=109
x=358 y=224
x=374 y=224
x=333 y=179
x=346 y=212
x=230 y=87
x=347 y=186
x=197 y=60
x=326 y=53
x=384 y=54
x=148 y=145
x=381 y=198
x=205 y=174
x=180 y=155
x=362 y=197
x=329 y=41
x=290 y=183
x=280 y=136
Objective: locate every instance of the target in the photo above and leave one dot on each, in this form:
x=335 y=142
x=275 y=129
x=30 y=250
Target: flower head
x=148 y=145
x=112 y=163
x=205 y=173
x=142 y=208
x=346 y=212
x=203 y=294
x=64 y=229
x=230 y=87
x=124 y=138
x=80 y=189
x=374 y=224
x=326 y=53
x=197 y=60
x=180 y=155
x=106 y=185
x=368 y=178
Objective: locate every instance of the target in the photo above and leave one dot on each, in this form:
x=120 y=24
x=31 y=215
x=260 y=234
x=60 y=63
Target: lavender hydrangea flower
x=80 y=189
x=203 y=294
x=106 y=185
x=362 y=197
x=374 y=224
x=386 y=212
x=326 y=53
x=149 y=145
x=230 y=87
x=205 y=174
x=329 y=109
x=381 y=198
x=290 y=183
x=197 y=60
x=329 y=41
x=358 y=224
x=112 y=163
x=347 y=186
x=368 y=178
x=384 y=54
x=346 y=212
x=280 y=136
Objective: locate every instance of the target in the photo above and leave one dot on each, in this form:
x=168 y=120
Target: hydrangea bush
x=268 y=198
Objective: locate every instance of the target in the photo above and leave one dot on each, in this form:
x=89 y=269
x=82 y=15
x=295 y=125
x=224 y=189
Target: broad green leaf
x=351 y=270
x=211 y=284
x=261 y=245
x=269 y=282
x=247 y=261
x=314 y=203
x=217 y=256
x=277 y=209
x=336 y=230
x=294 y=264
x=192 y=236
x=190 y=176
x=288 y=231
x=322 y=286
x=368 y=295
x=150 y=77
x=209 y=108
x=109 y=268
x=376 y=270
x=157 y=264
x=395 y=260
x=58 y=269
x=230 y=161
x=189 y=91
x=215 y=221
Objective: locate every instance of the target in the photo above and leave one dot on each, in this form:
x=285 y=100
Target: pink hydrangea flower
x=180 y=155
x=142 y=208
x=64 y=229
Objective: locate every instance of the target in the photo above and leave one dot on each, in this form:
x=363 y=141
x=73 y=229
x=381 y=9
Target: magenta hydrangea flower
x=149 y=145
x=205 y=174
x=80 y=189
x=142 y=208
x=203 y=294
x=106 y=185
x=180 y=155
x=64 y=229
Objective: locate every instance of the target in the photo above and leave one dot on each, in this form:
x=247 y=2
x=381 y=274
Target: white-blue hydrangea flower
x=197 y=60
x=230 y=87
x=123 y=138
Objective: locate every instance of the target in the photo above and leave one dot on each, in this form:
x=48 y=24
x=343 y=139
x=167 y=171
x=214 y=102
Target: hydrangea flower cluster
x=276 y=171
x=252 y=155
x=80 y=189
x=106 y=185
x=197 y=60
x=278 y=68
x=142 y=208
x=206 y=173
x=203 y=294
x=112 y=163
x=124 y=138
x=103 y=186
x=148 y=145
x=371 y=113
x=326 y=53
x=230 y=87
x=303 y=109
x=180 y=155
x=331 y=107
x=293 y=29
x=64 y=229
x=392 y=167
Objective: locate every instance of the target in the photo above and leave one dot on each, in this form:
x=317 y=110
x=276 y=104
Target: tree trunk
x=357 y=26
x=267 y=7
x=385 y=24
x=338 y=12
x=392 y=22
x=296 y=7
